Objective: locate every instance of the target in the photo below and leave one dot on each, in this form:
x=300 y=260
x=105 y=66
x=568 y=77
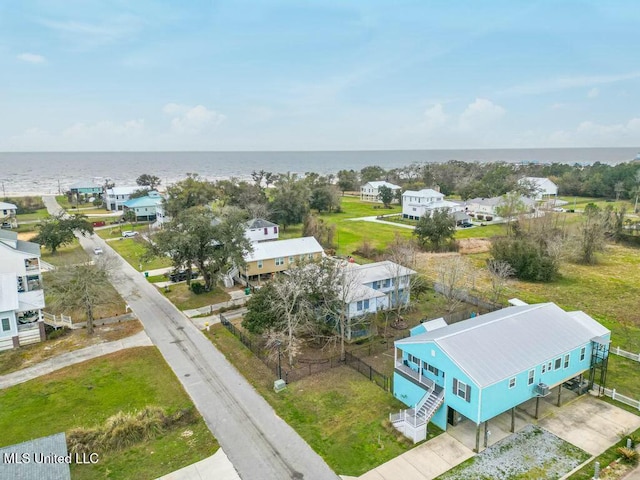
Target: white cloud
x=564 y=83
x=86 y=35
x=31 y=58
x=83 y=131
x=591 y=134
x=593 y=93
x=480 y=114
x=189 y=120
x=434 y=117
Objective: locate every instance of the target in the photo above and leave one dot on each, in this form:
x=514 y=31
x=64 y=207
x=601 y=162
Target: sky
x=139 y=75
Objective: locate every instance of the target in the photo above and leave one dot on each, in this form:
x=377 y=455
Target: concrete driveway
x=424 y=462
x=590 y=424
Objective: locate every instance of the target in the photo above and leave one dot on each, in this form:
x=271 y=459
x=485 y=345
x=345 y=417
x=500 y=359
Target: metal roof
x=36 y=468
x=7 y=206
x=146 y=201
x=379 y=184
x=374 y=272
x=260 y=223
x=501 y=344
x=122 y=190
x=28 y=247
x=284 y=248
x=425 y=193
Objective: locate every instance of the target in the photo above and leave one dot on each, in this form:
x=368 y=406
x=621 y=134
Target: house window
x=387 y=283
x=566 y=361
x=275 y=229
x=544 y=368
x=462 y=390
x=376 y=285
x=259 y=263
x=531 y=375
x=310 y=256
x=583 y=352
x=512 y=382
x=5 y=325
x=557 y=363
x=414 y=359
x=549 y=366
x=433 y=370
x=279 y=261
x=291 y=259
x=362 y=305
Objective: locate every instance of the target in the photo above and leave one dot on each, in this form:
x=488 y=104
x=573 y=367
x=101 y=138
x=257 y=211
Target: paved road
x=259 y=444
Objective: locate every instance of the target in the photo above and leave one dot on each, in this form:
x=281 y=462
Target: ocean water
x=22 y=173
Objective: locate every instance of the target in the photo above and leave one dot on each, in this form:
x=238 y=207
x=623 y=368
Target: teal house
x=145 y=208
x=479 y=368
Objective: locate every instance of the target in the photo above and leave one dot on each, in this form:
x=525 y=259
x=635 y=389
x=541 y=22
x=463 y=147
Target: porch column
x=395 y=356
x=16 y=341
x=43 y=334
x=486 y=433
x=420 y=371
x=477 y=449
x=559 y=394
x=537 y=406
x=513 y=419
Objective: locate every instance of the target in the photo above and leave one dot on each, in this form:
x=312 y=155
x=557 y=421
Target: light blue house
x=145 y=207
x=490 y=364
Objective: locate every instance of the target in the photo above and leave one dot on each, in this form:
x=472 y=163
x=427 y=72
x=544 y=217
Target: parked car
x=97 y=251
x=129 y=233
x=181 y=275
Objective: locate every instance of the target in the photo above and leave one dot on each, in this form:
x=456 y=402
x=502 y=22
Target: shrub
x=197 y=288
x=526 y=257
x=58 y=333
x=629 y=455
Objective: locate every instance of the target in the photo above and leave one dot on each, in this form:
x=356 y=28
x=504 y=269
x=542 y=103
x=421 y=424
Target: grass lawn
x=85 y=395
x=39 y=214
x=115 y=231
x=66 y=255
x=579 y=203
x=184 y=299
x=528 y=454
x=132 y=249
x=327 y=410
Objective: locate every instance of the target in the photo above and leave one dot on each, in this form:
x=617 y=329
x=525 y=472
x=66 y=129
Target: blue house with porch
x=479 y=368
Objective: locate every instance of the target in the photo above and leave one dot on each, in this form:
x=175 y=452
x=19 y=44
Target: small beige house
x=276 y=256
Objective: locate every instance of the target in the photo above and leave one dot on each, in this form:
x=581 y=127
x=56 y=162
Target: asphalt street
x=259 y=443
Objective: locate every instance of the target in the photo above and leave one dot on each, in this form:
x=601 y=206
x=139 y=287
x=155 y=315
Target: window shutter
x=455 y=386
x=467 y=395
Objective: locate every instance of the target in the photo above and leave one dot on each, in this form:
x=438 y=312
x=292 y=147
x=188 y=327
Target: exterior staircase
x=412 y=422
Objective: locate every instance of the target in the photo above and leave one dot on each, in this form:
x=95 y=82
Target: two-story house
x=115 y=198
x=261 y=230
x=145 y=208
x=479 y=368
x=544 y=188
x=21 y=292
x=370 y=191
x=417 y=204
x=8 y=213
x=373 y=287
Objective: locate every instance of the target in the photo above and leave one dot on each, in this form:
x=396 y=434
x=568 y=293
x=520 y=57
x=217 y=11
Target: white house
x=115 y=197
x=417 y=204
x=369 y=192
x=146 y=207
x=487 y=206
x=374 y=287
x=21 y=292
x=260 y=230
x=545 y=188
x=8 y=213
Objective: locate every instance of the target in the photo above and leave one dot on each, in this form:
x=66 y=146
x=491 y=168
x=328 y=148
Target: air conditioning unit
x=542 y=389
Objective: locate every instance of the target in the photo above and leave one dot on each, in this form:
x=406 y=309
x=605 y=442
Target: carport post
x=537 y=405
x=559 y=394
x=477 y=450
x=513 y=419
x=486 y=433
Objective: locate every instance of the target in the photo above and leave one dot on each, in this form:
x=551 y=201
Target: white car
x=129 y=233
x=97 y=251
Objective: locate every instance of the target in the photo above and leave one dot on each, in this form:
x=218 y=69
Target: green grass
x=487 y=231
x=184 y=299
x=85 y=395
x=132 y=249
x=115 y=231
x=623 y=375
x=605 y=458
x=70 y=254
x=341 y=414
x=39 y=214
x=156 y=278
x=579 y=203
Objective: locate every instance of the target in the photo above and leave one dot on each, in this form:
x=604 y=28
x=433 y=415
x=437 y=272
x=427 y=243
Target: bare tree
x=499 y=273
x=511 y=205
x=84 y=287
x=453 y=276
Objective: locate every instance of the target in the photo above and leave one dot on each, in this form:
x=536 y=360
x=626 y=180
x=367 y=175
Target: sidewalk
x=52 y=364
x=216 y=467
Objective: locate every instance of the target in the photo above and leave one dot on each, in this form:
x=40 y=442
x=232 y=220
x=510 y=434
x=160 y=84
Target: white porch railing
x=57 y=320
x=412 y=422
x=416 y=375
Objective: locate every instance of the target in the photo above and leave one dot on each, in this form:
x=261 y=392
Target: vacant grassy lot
x=39 y=214
x=184 y=299
x=132 y=250
x=339 y=413
x=70 y=254
x=88 y=393
x=115 y=231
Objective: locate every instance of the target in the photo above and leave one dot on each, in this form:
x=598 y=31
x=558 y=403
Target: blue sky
x=322 y=75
